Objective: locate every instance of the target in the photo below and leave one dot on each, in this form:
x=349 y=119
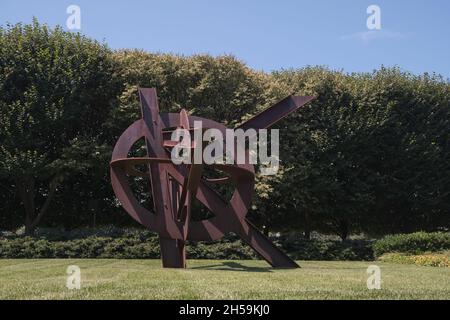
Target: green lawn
x=211 y=279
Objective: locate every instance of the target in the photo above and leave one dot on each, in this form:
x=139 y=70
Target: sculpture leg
x=264 y=247
x=173 y=253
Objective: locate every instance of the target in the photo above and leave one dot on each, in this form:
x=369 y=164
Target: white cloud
x=371 y=35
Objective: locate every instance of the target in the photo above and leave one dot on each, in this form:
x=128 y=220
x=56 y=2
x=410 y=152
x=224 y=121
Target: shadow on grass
x=233 y=266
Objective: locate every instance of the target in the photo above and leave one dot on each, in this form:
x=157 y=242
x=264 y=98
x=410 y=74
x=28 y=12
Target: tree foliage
x=371 y=151
x=55 y=92
x=369 y=154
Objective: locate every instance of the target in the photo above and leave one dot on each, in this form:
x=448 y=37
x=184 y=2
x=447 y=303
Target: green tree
x=222 y=88
x=56 y=89
x=369 y=152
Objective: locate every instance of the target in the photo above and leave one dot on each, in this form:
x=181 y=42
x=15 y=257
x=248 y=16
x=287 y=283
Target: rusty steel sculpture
x=175 y=187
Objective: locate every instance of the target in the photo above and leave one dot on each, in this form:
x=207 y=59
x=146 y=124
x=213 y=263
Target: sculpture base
x=173 y=253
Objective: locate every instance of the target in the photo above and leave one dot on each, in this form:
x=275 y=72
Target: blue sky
x=267 y=35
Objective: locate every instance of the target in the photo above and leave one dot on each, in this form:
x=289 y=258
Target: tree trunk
x=307 y=229
x=26 y=188
x=26 y=193
x=343 y=228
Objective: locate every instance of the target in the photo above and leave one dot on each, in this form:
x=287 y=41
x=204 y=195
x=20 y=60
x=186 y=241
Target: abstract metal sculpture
x=175 y=187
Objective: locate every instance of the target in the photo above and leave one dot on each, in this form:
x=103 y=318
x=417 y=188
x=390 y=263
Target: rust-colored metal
x=175 y=187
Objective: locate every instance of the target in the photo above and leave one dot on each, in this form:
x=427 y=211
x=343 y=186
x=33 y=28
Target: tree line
x=370 y=154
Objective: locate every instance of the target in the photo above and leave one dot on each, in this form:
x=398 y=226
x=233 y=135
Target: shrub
x=413 y=243
x=324 y=249
x=431 y=260
x=142 y=244
x=428 y=260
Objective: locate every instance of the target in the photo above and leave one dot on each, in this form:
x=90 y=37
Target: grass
x=212 y=279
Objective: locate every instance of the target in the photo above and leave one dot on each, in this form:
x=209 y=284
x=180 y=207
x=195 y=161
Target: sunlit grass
x=212 y=279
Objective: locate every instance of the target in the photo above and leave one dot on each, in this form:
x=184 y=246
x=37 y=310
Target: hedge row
x=324 y=249
x=413 y=243
x=120 y=248
x=141 y=244
x=145 y=245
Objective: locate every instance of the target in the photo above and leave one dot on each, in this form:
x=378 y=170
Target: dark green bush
x=322 y=249
x=413 y=243
x=142 y=244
